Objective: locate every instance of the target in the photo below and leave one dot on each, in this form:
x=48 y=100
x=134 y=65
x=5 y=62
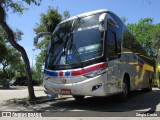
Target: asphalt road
x=137 y=105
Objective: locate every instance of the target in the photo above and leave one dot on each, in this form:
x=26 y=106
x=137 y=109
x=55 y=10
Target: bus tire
x=78 y=97
x=125 y=93
x=149 y=88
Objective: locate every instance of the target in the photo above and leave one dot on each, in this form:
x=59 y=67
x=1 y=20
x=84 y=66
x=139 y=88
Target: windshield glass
x=75 y=41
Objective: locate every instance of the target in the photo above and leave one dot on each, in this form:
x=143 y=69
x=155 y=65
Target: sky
x=133 y=10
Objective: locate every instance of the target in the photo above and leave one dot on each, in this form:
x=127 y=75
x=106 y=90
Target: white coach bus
x=94 y=54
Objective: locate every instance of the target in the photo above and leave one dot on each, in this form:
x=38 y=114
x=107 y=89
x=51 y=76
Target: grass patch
x=39 y=100
x=21 y=101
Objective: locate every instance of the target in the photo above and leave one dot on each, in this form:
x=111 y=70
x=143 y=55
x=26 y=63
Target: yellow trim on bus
x=158 y=69
x=148 y=67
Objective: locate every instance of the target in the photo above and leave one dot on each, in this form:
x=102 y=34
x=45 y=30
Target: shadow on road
x=137 y=101
x=13 y=88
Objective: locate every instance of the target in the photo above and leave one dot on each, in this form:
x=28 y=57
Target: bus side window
x=111 y=45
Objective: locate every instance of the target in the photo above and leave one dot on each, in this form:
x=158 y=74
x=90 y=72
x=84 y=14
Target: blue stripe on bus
x=51 y=73
x=55 y=74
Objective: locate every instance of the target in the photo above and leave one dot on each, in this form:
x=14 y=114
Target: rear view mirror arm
x=41 y=34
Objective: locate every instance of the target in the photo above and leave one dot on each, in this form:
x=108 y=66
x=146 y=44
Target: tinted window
x=111 y=45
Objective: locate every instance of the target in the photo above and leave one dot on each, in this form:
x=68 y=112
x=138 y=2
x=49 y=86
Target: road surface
x=138 y=103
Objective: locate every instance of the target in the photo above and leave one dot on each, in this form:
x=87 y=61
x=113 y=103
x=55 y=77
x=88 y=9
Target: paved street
x=139 y=102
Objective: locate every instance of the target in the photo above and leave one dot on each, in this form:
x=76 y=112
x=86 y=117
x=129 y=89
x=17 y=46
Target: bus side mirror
x=105 y=19
x=102 y=22
x=41 y=34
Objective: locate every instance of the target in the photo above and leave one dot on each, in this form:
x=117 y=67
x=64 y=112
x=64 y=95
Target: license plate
x=66 y=91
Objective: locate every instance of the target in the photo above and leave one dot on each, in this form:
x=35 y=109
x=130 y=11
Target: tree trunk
x=4 y=71
x=21 y=50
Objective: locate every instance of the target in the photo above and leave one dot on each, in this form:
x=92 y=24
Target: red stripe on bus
x=89 y=69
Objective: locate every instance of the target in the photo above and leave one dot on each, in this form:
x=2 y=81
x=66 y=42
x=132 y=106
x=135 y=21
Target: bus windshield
x=75 y=41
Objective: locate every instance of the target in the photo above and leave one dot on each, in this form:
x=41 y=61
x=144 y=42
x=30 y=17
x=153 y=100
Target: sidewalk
x=19 y=92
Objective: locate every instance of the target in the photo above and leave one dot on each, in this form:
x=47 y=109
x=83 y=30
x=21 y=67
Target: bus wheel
x=150 y=85
x=149 y=88
x=125 y=93
x=78 y=97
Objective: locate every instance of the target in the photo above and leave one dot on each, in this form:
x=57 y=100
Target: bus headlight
x=95 y=73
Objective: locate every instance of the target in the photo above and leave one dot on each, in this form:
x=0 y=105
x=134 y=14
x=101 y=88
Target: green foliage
x=18 y=69
x=3 y=34
x=147 y=34
x=66 y=14
x=156 y=36
x=49 y=21
x=17 y=35
x=10 y=57
x=12 y=63
x=17 y=6
x=37 y=76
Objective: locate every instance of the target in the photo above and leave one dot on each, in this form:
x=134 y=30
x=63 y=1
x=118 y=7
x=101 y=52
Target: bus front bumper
x=89 y=87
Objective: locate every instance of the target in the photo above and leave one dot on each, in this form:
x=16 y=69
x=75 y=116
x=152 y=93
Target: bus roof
x=86 y=14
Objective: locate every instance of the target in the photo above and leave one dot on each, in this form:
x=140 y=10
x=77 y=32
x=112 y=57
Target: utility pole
x=33 y=57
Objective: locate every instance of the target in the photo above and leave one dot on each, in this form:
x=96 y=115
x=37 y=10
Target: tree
x=66 y=14
x=2 y=49
x=145 y=32
x=49 y=21
x=17 y=6
x=10 y=58
x=157 y=44
x=16 y=69
x=17 y=35
x=11 y=62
